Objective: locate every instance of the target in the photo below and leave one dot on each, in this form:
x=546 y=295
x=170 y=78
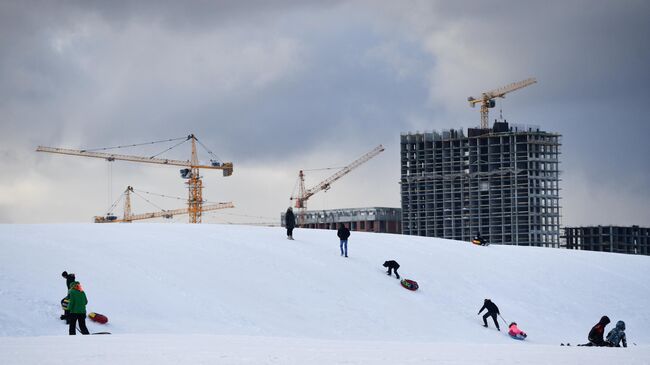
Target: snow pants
x=289 y=232
x=390 y=269
x=494 y=317
x=73 y=318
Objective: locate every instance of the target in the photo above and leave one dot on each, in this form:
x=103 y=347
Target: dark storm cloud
x=264 y=83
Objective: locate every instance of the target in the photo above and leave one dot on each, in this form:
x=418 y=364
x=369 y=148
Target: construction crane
x=304 y=194
x=191 y=171
x=130 y=217
x=487 y=98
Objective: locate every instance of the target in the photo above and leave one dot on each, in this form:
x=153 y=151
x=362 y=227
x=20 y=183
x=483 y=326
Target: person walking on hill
x=69 y=279
x=616 y=335
x=595 y=336
x=343 y=234
x=289 y=222
x=492 y=311
x=77 y=308
x=391 y=265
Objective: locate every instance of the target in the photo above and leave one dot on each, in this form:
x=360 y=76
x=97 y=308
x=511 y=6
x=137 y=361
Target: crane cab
x=186 y=173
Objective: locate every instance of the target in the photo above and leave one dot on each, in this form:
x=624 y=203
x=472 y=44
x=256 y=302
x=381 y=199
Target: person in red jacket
x=595 y=336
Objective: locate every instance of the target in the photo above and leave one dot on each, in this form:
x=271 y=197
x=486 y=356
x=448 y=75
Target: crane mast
x=191 y=171
x=487 y=98
x=304 y=194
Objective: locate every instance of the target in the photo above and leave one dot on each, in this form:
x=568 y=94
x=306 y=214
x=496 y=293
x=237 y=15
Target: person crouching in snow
x=515 y=332
x=616 y=335
x=595 y=336
x=77 y=308
x=391 y=265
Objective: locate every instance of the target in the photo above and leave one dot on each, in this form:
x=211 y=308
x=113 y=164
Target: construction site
x=196 y=204
x=500 y=182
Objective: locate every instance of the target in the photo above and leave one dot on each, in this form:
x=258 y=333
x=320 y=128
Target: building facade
x=501 y=182
x=376 y=219
x=632 y=240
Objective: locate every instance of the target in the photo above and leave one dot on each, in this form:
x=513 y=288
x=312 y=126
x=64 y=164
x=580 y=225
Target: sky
x=279 y=86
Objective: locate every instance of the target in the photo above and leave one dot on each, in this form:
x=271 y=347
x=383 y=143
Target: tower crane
x=191 y=172
x=487 y=98
x=130 y=217
x=304 y=194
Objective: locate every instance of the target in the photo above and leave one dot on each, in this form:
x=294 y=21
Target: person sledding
x=617 y=335
x=492 y=311
x=478 y=240
x=595 y=336
x=77 y=308
x=515 y=332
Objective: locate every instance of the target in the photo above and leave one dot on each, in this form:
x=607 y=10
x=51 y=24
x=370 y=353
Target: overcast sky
x=279 y=86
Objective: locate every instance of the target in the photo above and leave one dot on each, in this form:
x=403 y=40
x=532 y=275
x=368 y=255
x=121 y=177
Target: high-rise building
x=631 y=239
x=501 y=182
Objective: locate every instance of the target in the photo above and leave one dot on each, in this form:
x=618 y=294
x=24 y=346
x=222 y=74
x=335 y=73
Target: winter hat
x=620 y=325
x=604 y=320
x=64 y=274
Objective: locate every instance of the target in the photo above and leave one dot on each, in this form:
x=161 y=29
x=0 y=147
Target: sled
x=520 y=338
x=480 y=242
x=64 y=303
x=410 y=284
x=99 y=318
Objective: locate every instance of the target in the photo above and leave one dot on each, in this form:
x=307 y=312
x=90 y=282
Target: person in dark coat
x=343 y=234
x=69 y=279
x=391 y=265
x=289 y=222
x=492 y=311
x=595 y=336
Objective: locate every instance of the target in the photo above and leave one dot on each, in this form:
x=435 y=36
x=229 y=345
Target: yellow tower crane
x=191 y=171
x=487 y=98
x=304 y=194
x=130 y=217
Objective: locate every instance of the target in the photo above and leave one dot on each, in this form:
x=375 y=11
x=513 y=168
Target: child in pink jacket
x=515 y=332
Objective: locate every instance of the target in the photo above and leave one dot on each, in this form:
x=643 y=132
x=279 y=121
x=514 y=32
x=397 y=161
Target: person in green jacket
x=77 y=308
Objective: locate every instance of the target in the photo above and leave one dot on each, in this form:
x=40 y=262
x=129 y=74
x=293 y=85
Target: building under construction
x=632 y=240
x=501 y=182
x=376 y=219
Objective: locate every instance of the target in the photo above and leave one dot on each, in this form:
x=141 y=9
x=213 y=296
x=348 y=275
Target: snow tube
x=410 y=284
x=64 y=303
x=96 y=317
x=522 y=336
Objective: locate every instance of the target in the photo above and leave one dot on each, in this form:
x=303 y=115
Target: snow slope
x=249 y=285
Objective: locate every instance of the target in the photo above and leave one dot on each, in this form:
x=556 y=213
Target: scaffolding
x=501 y=182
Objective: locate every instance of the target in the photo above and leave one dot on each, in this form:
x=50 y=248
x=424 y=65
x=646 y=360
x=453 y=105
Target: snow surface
x=239 y=294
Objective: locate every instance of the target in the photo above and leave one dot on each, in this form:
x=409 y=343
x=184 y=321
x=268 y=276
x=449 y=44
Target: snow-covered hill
x=191 y=281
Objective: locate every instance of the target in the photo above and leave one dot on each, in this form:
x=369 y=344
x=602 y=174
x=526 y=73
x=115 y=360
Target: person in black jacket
x=289 y=222
x=391 y=265
x=492 y=311
x=595 y=336
x=69 y=279
x=343 y=234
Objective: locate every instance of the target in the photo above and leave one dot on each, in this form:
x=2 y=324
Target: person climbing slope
x=492 y=311
x=343 y=234
x=77 y=308
x=616 y=335
x=391 y=265
x=289 y=222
